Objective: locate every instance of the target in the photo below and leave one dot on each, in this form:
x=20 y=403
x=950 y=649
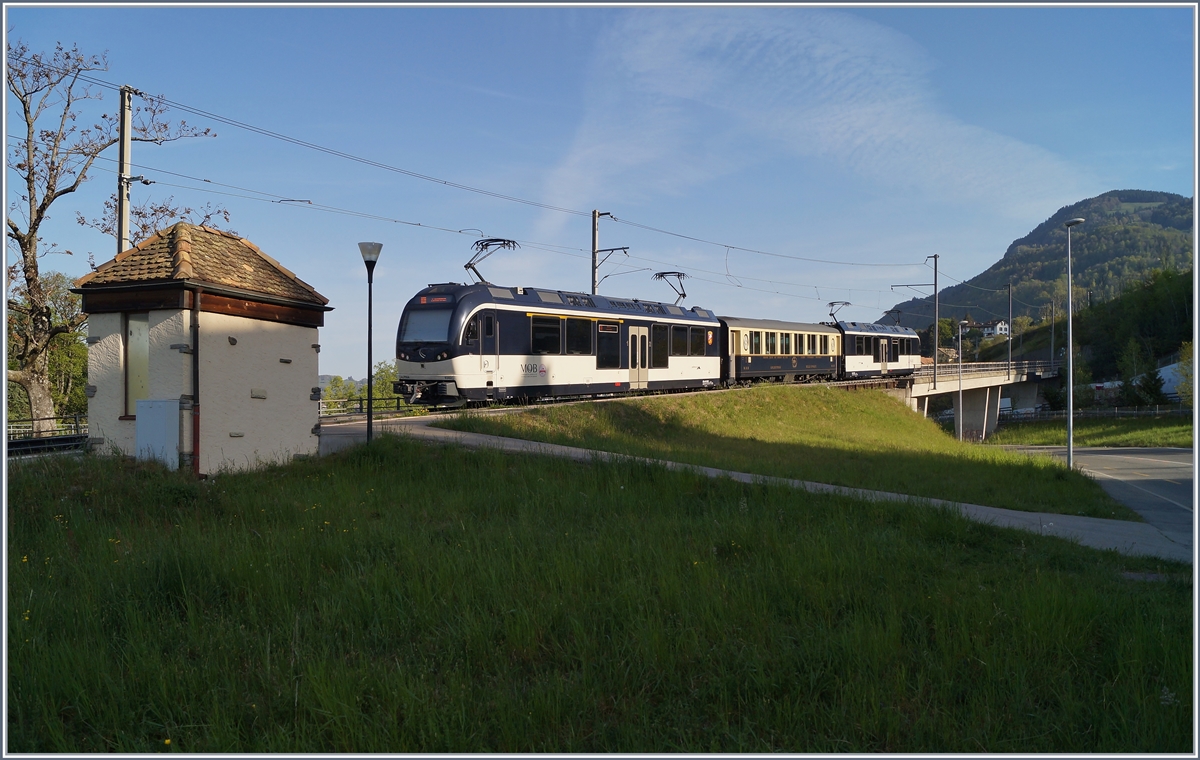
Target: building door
x=639 y=357
x=489 y=346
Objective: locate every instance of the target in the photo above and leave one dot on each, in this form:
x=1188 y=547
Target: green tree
x=1187 y=374
x=65 y=354
x=1150 y=387
x=1130 y=365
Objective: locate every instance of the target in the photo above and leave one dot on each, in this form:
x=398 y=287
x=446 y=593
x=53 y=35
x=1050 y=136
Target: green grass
x=398 y=598
x=862 y=439
x=1153 y=432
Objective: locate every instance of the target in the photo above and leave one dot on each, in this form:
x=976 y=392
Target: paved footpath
x=1119 y=535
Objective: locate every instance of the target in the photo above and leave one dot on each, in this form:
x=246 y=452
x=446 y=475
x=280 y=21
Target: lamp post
x=960 y=412
x=370 y=254
x=1070 y=356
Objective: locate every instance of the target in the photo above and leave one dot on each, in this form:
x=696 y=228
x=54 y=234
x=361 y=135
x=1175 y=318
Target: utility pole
x=1053 y=323
x=1010 y=329
x=596 y=246
x=937 y=325
x=126 y=124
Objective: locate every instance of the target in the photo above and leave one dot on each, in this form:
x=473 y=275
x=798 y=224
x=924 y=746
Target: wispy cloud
x=679 y=97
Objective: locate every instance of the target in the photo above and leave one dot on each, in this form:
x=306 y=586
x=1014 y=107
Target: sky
x=783 y=157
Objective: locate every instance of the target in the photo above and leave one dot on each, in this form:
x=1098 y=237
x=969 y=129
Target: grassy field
x=401 y=598
x=862 y=439
x=1173 y=432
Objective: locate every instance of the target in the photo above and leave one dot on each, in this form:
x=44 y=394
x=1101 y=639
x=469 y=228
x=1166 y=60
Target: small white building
x=993 y=328
x=205 y=320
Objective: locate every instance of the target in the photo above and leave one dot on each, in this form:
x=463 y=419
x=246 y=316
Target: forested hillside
x=1127 y=235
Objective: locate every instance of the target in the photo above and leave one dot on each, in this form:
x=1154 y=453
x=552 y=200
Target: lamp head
x=370 y=251
x=1072 y=222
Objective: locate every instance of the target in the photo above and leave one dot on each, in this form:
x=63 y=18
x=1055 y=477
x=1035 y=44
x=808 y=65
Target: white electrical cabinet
x=158 y=431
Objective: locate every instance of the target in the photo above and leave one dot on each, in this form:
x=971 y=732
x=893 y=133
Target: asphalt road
x=1155 y=483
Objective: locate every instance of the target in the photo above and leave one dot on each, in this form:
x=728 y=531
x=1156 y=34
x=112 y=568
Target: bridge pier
x=979 y=413
x=1023 y=395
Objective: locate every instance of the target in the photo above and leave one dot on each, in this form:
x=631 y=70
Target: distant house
x=212 y=341
x=989 y=329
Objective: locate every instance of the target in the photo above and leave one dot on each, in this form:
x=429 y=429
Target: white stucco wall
x=106 y=375
x=272 y=429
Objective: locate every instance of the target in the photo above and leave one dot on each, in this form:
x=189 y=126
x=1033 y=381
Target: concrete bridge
x=981 y=384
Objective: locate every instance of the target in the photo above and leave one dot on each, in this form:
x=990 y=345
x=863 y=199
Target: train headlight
x=443 y=355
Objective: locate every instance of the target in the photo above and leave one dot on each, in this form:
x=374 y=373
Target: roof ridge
x=181 y=252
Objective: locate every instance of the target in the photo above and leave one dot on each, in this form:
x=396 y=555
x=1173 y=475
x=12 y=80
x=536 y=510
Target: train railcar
x=473 y=343
x=873 y=350
x=769 y=349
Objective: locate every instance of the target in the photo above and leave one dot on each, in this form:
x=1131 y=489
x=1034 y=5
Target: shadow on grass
x=976 y=475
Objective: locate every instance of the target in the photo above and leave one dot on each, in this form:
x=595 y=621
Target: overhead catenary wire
x=264 y=196
x=457 y=185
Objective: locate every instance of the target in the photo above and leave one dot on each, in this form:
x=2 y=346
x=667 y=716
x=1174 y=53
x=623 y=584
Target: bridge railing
x=950 y=370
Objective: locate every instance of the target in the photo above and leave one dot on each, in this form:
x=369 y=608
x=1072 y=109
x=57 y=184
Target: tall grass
x=861 y=439
x=1153 y=432
x=398 y=598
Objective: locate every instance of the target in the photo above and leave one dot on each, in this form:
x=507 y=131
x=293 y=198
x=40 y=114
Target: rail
x=60 y=434
x=1113 y=412
x=951 y=370
x=341 y=407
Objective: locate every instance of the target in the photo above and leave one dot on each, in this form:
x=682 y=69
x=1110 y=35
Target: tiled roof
x=202 y=255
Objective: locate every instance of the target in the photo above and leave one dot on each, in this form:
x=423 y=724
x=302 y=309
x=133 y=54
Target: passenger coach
x=460 y=343
x=762 y=349
x=873 y=350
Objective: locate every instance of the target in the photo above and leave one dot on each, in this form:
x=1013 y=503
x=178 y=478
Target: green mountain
x=1127 y=235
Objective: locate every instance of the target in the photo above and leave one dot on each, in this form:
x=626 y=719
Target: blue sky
x=872 y=135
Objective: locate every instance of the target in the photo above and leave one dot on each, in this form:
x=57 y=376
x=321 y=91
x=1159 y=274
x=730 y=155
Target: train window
x=579 y=337
x=471 y=331
x=659 y=346
x=785 y=343
x=755 y=342
x=679 y=340
x=812 y=344
x=608 y=346
x=696 y=345
x=547 y=335
x=425 y=326
x=489 y=326
x=824 y=344
x=771 y=342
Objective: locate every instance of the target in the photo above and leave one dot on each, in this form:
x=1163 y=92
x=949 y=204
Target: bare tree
x=150 y=216
x=51 y=157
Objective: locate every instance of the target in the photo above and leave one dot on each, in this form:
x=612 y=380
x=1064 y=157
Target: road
x=1155 y=483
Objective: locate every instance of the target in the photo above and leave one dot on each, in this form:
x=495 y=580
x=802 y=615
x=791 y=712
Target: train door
x=639 y=357
x=489 y=346
x=883 y=355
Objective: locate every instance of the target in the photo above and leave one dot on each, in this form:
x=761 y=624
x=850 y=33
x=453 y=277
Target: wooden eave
x=216 y=299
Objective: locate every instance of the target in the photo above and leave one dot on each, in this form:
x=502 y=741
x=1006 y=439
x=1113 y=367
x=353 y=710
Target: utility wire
x=429 y=178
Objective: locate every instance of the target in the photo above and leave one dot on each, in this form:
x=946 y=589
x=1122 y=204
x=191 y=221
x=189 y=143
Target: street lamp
x=370 y=254
x=1070 y=356
x=960 y=413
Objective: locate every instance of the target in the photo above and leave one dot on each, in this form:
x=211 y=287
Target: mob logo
x=533 y=369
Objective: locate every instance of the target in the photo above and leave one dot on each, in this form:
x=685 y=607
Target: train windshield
x=425 y=326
